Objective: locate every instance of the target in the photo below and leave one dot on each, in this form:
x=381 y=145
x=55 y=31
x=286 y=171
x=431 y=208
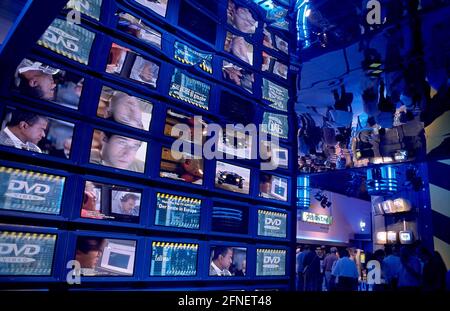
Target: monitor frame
x=287 y=274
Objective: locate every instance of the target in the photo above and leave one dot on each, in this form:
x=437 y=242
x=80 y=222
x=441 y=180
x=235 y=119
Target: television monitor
x=128 y=64
x=158 y=6
x=228 y=261
x=281 y=45
x=31 y=131
x=38 y=80
x=181 y=125
x=197 y=22
x=241 y=18
x=277 y=95
x=401 y=205
x=229 y=219
x=137 y=28
x=391 y=237
x=235 y=143
x=277 y=17
x=239 y=47
x=26 y=253
x=232 y=178
x=174 y=259
x=189 y=90
x=181 y=166
x=272 y=224
x=105 y=256
x=91 y=8
x=68 y=39
x=238 y=75
x=406 y=237
x=270 y=262
x=277 y=156
x=118 y=151
x=274 y=66
x=381 y=237
x=120 y=107
x=273 y=187
x=111 y=202
x=193 y=57
x=236 y=109
x=275 y=124
x=177 y=211
x=30 y=191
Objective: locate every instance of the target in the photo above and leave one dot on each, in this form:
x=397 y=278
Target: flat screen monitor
x=29 y=191
x=273 y=187
x=277 y=95
x=189 y=56
x=138 y=29
x=274 y=42
x=189 y=90
x=230 y=219
x=128 y=64
x=120 y=107
x=105 y=257
x=38 y=133
x=91 y=8
x=381 y=237
x=232 y=178
x=274 y=155
x=228 y=261
x=41 y=81
x=270 y=262
x=272 y=224
x=111 y=202
x=391 y=237
x=158 y=6
x=241 y=18
x=238 y=46
x=185 y=126
x=406 y=237
x=239 y=76
x=171 y=259
x=26 y=253
x=236 y=143
x=197 y=22
x=236 y=109
x=275 y=124
x=68 y=39
x=181 y=166
x=273 y=65
x=117 y=151
x=177 y=211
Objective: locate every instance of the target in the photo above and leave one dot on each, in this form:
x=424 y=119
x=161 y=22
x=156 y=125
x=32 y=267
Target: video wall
x=89 y=123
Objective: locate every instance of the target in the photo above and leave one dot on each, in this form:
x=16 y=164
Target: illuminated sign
x=316 y=218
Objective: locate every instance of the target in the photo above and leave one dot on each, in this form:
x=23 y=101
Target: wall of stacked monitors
x=87 y=127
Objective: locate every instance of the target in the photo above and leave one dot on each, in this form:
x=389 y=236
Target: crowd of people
x=411 y=267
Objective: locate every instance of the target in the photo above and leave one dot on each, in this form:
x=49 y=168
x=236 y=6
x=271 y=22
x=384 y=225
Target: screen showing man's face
x=226 y=261
x=34 y=133
x=119 y=151
x=127 y=111
x=43 y=81
x=128 y=205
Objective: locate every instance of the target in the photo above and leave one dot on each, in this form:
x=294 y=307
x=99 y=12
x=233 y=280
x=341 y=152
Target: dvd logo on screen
x=57 y=36
x=7 y=249
x=271 y=261
x=275 y=126
x=34 y=192
x=271 y=223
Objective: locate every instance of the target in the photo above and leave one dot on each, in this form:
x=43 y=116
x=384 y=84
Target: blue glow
x=303 y=192
x=302 y=10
